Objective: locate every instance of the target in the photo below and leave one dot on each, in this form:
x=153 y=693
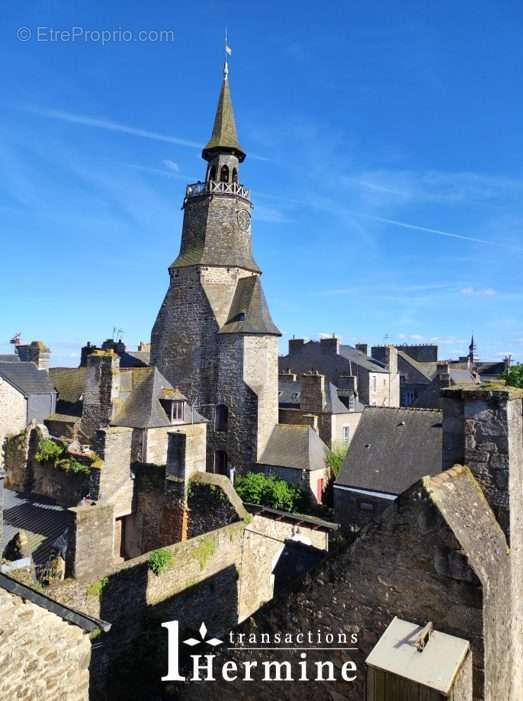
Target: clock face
x=244 y=219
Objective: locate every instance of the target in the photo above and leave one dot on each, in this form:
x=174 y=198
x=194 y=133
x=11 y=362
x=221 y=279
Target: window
x=220 y=462
x=221 y=421
x=409 y=397
x=234 y=175
x=176 y=455
x=174 y=408
x=224 y=174
x=374 y=383
x=212 y=173
x=345 y=431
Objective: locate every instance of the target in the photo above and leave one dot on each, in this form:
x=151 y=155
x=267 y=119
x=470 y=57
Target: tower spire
x=224 y=137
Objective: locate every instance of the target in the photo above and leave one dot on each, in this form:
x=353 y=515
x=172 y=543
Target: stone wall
x=484 y=428
x=91 y=552
x=13 y=413
x=436 y=555
x=354 y=510
x=156 y=443
x=220 y=577
x=113 y=445
x=43 y=657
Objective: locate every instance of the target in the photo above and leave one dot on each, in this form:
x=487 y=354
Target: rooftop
x=392 y=449
x=26 y=378
x=294 y=446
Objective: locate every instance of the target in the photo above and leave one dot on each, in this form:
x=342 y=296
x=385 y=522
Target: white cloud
x=171 y=165
x=478 y=292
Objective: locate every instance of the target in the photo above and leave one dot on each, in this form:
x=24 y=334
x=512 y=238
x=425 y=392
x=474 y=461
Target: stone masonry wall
x=411 y=565
x=13 y=413
x=232 y=565
x=43 y=657
x=92 y=540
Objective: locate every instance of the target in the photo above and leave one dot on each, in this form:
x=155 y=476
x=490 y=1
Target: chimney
x=311 y=420
x=102 y=389
x=36 y=352
x=330 y=345
x=443 y=374
x=288 y=375
x=391 y=359
x=348 y=384
x=295 y=344
x=313 y=396
x=363 y=348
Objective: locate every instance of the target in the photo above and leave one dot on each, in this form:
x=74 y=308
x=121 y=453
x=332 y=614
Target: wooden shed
x=416 y=663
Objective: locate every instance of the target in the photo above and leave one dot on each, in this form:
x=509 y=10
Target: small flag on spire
x=228 y=50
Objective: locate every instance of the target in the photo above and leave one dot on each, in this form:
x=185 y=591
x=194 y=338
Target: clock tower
x=214 y=336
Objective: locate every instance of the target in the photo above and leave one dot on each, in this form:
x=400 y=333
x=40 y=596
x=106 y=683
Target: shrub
x=257 y=488
x=49 y=451
x=335 y=457
x=159 y=560
x=514 y=376
x=96 y=588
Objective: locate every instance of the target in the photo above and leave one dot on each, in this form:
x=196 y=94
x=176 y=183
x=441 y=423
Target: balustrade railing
x=213 y=187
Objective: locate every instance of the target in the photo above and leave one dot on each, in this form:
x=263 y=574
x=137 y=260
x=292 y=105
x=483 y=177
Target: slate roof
x=392 y=448
x=26 y=378
x=143 y=408
x=249 y=312
x=415 y=372
x=294 y=446
x=69 y=383
x=9 y=358
x=134 y=359
x=359 y=358
x=224 y=134
x=41 y=518
x=289 y=394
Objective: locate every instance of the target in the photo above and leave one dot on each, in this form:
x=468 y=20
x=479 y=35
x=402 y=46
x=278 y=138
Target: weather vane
x=228 y=52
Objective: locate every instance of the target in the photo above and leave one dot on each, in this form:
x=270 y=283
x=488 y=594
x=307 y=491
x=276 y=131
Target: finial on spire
x=228 y=52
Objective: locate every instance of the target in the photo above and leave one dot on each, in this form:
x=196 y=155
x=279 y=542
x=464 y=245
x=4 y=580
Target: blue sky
x=385 y=154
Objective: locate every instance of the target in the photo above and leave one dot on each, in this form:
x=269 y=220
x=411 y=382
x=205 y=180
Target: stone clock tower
x=214 y=336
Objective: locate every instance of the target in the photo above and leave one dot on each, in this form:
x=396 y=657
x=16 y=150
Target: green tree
x=257 y=488
x=514 y=376
x=335 y=457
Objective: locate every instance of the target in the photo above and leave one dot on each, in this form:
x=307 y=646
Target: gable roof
x=392 y=449
x=26 y=378
x=295 y=446
x=414 y=371
x=142 y=407
x=359 y=358
x=249 y=312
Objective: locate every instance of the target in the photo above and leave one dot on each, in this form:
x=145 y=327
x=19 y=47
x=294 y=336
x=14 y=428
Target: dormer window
x=174 y=408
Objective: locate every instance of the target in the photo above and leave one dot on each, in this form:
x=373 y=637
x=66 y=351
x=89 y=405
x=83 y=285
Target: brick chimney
x=313 y=396
x=330 y=345
x=295 y=344
x=36 y=352
x=102 y=389
x=363 y=348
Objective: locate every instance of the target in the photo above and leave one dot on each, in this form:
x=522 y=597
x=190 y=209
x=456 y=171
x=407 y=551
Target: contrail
x=439 y=232
x=113 y=126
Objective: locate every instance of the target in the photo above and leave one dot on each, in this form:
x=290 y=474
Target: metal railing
x=214 y=187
